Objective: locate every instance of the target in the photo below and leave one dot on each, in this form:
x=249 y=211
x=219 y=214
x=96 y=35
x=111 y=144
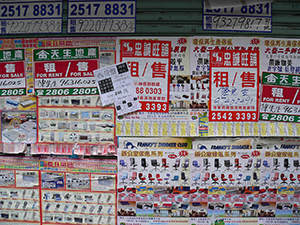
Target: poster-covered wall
x=66 y=191
x=176 y=162
x=227 y=179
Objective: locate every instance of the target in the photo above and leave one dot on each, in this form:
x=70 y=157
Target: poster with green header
x=65 y=71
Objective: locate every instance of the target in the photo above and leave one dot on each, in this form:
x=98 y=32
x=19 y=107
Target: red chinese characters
x=149 y=63
x=234 y=85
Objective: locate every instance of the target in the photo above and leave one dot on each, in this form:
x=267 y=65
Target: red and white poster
x=12 y=73
x=149 y=62
x=65 y=71
x=280 y=97
x=234 y=82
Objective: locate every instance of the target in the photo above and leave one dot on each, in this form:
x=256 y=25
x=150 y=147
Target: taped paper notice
x=115 y=85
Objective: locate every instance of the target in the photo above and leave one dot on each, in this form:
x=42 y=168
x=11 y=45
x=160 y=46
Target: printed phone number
x=86 y=9
x=31 y=10
x=12 y=92
x=31 y=26
x=280 y=118
x=155 y=107
x=101 y=25
x=71 y=91
x=233 y=116
x=237 y=23
x=258 y=9
x=141 y=90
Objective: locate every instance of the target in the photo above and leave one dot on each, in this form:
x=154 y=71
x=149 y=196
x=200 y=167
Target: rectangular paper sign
x=115 y=85
x=149 y=64
x=280 y=97
x=234 y=85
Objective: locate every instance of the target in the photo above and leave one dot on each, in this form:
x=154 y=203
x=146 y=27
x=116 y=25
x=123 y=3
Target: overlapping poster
x=149 y=64
x=60 y=191
x=12 y=73
x=279 y=55
x=280 y=97
x=154 y=182
x=234 y=83
x=65 y=71
x=115 y=86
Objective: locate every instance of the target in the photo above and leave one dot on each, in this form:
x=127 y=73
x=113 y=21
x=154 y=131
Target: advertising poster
x=153 y=183
x=107 y=54
x=12 y=73
x=20 y=199
x=227 y=181
x=180 y=90
x=78 y=191
x=180 y=56
x=15 y=77
x=106 y=45
x=154 y=143
x=60 y=191
x=200 y=79
x=234 y=80
x=149 y=64
x=115 y=86
x=280 y=55
x=237 y=164
x=180 y=64
x=65 y=71
x=76 y=125
x=280 y=97
x=180 y=95
x=18 y=126
x=281 y=173
x=200 y=57
x=168 y=183
x=238 y=17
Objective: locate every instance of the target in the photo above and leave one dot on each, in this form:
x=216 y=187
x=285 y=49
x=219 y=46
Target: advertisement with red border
x=149 y=62
x=234 y=82
x=280 y=97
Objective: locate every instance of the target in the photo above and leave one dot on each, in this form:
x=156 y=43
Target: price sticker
x=101 y=16
x=31 y=17
x=256 y=18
